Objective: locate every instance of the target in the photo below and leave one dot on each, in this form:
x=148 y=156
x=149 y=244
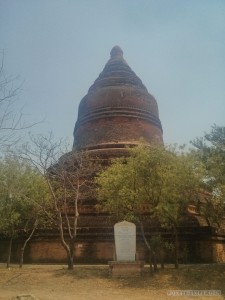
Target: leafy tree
x=36 y=208
x=152 y=180
x=211 y=152
x=22 y=198
x=182 y=177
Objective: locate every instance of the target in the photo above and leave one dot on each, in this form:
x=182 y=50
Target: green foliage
x=155 y=179
x=23 y=196
x=118 y=192
x=211 y=152
x=169 y=246
x=130 y=182
x=156 y=242
x=182 y=179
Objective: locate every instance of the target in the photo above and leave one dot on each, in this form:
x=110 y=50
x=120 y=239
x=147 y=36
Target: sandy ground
x=48 y=282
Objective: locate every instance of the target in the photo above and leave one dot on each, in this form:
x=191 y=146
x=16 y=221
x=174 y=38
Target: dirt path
x=48 y=282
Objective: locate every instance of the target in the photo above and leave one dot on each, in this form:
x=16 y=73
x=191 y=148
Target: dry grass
x=48 y=282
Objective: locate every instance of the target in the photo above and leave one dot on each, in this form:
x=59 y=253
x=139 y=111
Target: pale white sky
x=177 y=48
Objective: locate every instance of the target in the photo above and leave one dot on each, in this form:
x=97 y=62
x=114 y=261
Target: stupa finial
x=116 y=52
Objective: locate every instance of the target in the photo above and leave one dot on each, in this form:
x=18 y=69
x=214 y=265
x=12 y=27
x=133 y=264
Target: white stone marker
x=125 y=241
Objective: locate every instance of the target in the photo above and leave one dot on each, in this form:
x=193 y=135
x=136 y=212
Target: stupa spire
x=116 y=52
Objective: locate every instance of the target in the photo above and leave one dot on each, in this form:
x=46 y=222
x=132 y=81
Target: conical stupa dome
x=118 y=110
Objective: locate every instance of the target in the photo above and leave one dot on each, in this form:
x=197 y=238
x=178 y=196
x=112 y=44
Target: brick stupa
x=117 y=112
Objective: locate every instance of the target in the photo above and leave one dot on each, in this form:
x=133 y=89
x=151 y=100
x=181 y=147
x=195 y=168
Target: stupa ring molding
x=120 y=112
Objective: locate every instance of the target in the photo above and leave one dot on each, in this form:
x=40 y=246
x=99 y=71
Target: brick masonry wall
x=118 y=129
x=51 y=251
x=219 y=252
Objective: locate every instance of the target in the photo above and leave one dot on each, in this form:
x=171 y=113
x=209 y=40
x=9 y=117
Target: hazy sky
x=177 y=48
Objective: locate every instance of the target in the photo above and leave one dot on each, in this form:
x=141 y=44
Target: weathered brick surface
x=219 y=251
x=117 y=108
x=116 y=130
x=46 y=251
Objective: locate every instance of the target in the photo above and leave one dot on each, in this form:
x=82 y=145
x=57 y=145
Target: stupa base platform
x=125 y=268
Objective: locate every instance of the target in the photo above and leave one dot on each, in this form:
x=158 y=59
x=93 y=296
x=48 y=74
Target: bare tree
x=11 y=119
x=68 y=177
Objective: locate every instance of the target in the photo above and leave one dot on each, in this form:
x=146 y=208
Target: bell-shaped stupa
x=117 y=111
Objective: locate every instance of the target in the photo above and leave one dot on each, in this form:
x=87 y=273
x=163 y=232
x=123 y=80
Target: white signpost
x=125 y=264
x=125 y=241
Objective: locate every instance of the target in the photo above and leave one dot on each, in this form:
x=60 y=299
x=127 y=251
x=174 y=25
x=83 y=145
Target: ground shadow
x=195 y=277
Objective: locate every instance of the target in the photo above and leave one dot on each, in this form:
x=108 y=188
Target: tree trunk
x=150 y=261
x=21 y=256
x=176 y=249
x=9 y=252
x=65 y=245
x=152 y=257
x=70 y=254
x=70 y=261
x=162 y=262
x=25 y=243
x=161 y=253
x=154 y=261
